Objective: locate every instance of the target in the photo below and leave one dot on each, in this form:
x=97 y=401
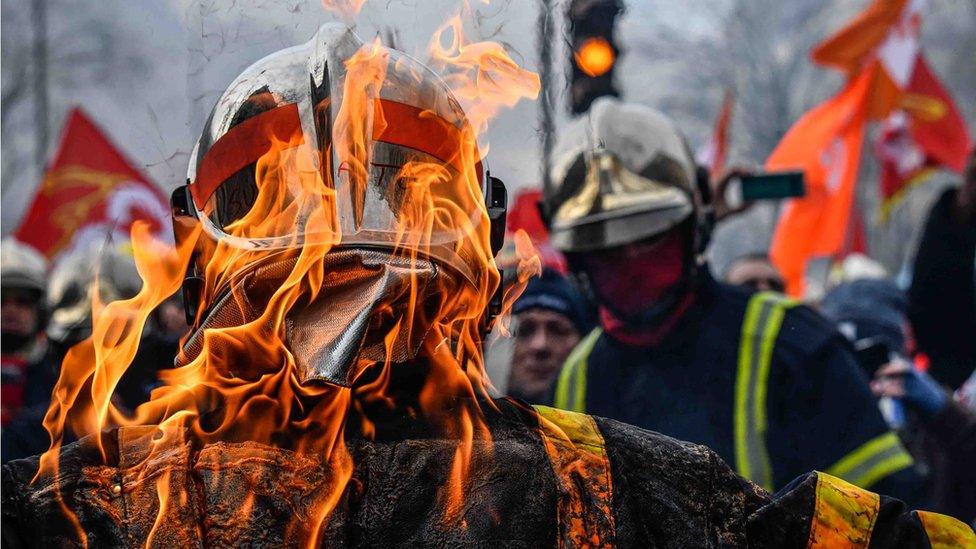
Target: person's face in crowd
x=630 y=279
x=758 y=274
x=543 y=340
x=18 y=317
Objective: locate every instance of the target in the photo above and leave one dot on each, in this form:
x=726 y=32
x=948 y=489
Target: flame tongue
x=364 y=299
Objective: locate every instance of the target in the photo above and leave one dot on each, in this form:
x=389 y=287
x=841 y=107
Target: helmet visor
x=409 y=178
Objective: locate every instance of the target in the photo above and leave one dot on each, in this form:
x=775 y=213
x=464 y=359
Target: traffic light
x=595 y=52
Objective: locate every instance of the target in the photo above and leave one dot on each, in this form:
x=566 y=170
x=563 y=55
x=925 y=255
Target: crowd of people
x=45 y=313
x=874 y=384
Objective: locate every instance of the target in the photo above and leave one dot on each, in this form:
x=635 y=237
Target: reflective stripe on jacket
x=841 y=514
x=871 y=461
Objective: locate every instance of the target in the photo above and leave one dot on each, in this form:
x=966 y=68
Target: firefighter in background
x=942 y=296
x=108 y=269
x=763 y=380
x=70 y=295
x=25 y=368
x=545 y=478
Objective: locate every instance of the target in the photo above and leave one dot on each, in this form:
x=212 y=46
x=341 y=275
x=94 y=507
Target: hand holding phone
x=772 y=186
x=872 y=354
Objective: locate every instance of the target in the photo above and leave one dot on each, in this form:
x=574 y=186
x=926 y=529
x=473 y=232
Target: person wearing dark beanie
x=550 y=317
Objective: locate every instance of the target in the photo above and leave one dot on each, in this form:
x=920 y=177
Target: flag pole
x=544 y=39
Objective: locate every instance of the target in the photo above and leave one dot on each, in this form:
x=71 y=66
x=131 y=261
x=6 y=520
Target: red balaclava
x=630 y=280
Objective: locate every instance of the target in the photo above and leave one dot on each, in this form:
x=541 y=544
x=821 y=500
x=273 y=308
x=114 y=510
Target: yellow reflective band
x=945 y=532
x=768 y=341
x=742 y=386
x=579 y=396
x=563 y=382
x=760 y=328
x=571 y=384
x=843 y=515
x=578 y=456
x=578 y=428
x=873 y=461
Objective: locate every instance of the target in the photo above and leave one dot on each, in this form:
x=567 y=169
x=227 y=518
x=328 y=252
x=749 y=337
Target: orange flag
x=886 y=36
x=826 y=144
x=850 y=48
x=89 y=192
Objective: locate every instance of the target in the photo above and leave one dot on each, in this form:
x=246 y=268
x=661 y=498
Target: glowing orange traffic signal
x=595 y=57
x=593 y=51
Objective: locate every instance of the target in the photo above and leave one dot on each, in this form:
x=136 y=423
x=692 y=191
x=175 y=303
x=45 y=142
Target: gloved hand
x=899 y=379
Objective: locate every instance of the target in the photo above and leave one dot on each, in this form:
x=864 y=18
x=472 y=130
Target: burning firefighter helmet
x=360 y=147
x=621 y=174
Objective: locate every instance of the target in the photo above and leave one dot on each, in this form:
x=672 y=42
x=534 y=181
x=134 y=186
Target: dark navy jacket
x=819 y=407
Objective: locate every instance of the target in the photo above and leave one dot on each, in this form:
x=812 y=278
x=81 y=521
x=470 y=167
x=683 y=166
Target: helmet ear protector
x=496 y=201
x=185 y=222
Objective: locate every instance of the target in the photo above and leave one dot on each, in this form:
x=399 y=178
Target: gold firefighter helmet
x=618 y=175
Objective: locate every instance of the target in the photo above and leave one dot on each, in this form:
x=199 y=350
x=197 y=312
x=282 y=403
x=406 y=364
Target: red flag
x=826 y=144
x=936 y=124
x=927 y=131
x=90 y=191
x=524 y=215
x=713 y=154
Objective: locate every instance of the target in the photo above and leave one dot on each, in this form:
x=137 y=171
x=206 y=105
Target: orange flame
x=242 y=382
x=347 y=9
x=482 y=74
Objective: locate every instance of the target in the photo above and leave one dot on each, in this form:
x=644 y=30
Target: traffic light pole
x=545 y=37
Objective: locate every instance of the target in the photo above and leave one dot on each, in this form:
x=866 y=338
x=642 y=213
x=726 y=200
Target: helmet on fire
x=321 y=144
x=620 y=174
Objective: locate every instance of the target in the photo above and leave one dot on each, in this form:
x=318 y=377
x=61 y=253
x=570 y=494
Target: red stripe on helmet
x=421 y=130
x=243 y=144
x=401 y=124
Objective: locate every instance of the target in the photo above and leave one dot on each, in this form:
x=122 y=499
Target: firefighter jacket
x=548 y=478
x=942 y=297
x=762 y=380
